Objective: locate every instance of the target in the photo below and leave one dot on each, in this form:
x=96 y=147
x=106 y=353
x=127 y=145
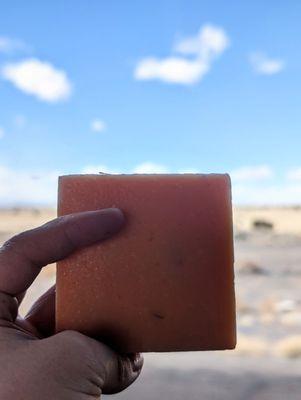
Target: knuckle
x=14 y=241
x=12 y=247
x=70 y=336
x=70 y=231
x=74 y=342
x=21 y=247
x=70 y=347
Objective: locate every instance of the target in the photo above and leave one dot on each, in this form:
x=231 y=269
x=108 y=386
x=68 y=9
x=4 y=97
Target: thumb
x=86 y=360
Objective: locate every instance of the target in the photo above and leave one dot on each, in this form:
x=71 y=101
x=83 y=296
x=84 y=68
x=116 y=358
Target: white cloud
x=19 y=121
x=294 y=174
x=143 y=168
x=208 y=44
x=97 y=125
x=38 y=78
x=252 y=173
x=171 y=70
x=147 y=167
x=189 y=171
x=281 y=194
x=266 y=66
x=96 y=169
x=9 y=45
x=150 y=168
x=19 y=187
x=2 y=132
x=247 y=187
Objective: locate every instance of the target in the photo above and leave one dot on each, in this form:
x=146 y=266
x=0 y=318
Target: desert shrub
x=251 y=346
x=289 y=347
x=262 y=224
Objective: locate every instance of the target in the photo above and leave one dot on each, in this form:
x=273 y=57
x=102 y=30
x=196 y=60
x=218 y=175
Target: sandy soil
x=267 y=361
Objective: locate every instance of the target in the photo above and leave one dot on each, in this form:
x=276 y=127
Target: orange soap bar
x=165 y=282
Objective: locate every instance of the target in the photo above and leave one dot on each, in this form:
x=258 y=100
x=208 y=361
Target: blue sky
x=124 y=86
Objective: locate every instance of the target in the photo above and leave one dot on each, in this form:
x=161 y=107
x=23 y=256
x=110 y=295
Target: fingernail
x=136 y=360
x=92 y=226
x=112 y=220
x=105 y=223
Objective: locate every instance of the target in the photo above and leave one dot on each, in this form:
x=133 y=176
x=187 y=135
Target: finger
x=93 y=361
x=22 y=257
x=128 y=369
x=20 y=297
x=9 y=306
x=42 y=313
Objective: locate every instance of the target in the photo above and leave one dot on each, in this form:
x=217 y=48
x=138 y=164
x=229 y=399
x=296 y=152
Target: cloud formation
x=294 y=174
x=9 y=45
x=210 y=42
x=171 y=70
x=193 y=61
x=264 y=65
x=97 y=125
x=250 y=185
x=19 y=121
x=150 y=168
x=252 y=173
x=96 y=169
x=189 y=171
x=38 y=78
x=255 y=194
x=143 y=168
x=19 y=187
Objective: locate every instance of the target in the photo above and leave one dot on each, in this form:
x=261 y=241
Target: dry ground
x=267 y=361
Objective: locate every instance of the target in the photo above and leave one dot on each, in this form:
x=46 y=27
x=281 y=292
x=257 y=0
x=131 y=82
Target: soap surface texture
x=165 y=282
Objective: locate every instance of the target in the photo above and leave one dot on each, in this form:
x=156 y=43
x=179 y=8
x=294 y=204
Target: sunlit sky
x=151 y=86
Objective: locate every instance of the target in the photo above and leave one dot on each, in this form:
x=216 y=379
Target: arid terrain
x=267 y=361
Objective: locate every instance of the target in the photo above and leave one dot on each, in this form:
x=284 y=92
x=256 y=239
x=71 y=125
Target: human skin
x=37 y=363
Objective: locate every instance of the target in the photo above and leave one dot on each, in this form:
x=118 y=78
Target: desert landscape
x=267 y=361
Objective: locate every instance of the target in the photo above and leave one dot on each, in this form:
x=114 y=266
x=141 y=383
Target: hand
x=36 y=363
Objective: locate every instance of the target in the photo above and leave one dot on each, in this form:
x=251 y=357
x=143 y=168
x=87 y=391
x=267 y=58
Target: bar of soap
x=166 y=281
